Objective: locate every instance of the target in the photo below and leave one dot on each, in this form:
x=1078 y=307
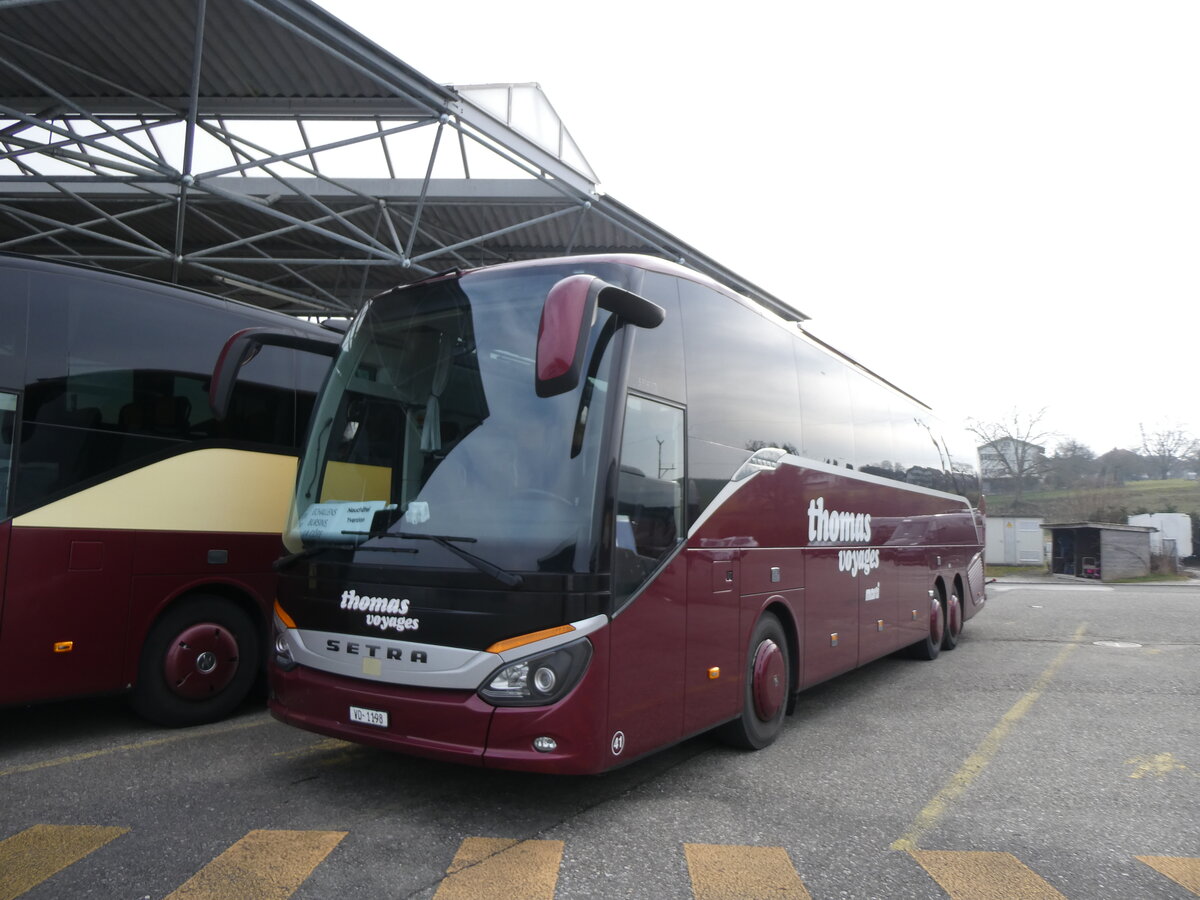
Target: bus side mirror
x=243 y=346
x=567 y=317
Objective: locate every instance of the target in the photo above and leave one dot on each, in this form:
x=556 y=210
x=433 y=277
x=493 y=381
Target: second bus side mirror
x=567 y=318
x=243 y=346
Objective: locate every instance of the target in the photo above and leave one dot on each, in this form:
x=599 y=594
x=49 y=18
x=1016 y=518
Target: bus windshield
x=430 y=439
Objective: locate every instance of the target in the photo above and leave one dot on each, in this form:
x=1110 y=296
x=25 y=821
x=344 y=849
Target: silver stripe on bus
x=760 y=462
x=415 y=664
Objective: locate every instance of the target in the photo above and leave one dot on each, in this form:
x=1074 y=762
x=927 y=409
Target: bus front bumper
x=449 y=725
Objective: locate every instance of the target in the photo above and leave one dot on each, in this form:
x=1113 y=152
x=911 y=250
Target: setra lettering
x=395 y=654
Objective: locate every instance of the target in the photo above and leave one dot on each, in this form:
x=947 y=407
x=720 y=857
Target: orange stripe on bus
x=522 y=640
x=283 y=616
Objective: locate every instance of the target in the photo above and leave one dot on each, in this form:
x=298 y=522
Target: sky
x=995 y=206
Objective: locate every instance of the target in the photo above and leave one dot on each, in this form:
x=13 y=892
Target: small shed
x=1015 y=541
x=1099 y=550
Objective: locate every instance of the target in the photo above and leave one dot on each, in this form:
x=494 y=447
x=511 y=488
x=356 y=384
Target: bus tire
x=929 y=647
x=767 y=683
x=198 y=663
x=954 y=623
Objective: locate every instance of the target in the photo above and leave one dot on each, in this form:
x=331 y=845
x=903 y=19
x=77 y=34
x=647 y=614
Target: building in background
x=1007 y=460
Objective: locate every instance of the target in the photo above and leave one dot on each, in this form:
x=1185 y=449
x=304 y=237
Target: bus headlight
x=538 y=680
x=283 y=651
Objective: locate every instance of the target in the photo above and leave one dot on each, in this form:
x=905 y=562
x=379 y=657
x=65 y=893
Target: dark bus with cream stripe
x=137 y=531
x=556 y=515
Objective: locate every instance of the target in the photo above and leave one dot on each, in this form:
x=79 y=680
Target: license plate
x=376 y=717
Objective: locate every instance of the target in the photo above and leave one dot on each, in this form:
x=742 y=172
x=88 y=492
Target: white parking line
x=1002 y=588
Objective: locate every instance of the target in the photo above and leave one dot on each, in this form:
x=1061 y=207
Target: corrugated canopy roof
x=264 y=149
x=259 y=58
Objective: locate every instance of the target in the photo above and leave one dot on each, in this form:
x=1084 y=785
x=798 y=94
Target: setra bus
x=556 y=515
x=137 y=531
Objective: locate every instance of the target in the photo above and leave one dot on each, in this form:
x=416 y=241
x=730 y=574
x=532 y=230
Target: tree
x=1011 y=451
x=1073 y=464
x=1118 y=466
x=1164 y=448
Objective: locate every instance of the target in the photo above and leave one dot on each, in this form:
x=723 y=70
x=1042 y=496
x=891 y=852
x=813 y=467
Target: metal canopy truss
x=262 y=149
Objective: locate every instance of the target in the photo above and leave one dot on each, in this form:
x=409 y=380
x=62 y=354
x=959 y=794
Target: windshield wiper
x=285 y=562
x=509 y=579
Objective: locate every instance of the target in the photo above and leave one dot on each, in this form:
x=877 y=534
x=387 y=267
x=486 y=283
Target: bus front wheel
x=767 y=680
x=198 y=663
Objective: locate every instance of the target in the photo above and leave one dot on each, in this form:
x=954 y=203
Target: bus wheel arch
x=199 y=660
x=766 y=688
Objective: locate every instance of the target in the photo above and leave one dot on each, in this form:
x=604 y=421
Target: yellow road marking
x=970 y=875
x=486 y=868
x=1160 y=765
x=29 y=858
x=721 y=872
x=140 y=745
x=264 y=865
x=984 y=753
x=1180 y=869
x=328 y=745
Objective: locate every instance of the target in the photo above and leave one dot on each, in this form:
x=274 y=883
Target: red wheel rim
x=954 y=615
x=770 y=680
x=201 y=661
x=935 y=622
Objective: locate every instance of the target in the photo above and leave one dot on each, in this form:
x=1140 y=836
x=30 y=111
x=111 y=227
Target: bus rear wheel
x=767 y=680
x=198 y=663
x=931 y=646
x=954 y=623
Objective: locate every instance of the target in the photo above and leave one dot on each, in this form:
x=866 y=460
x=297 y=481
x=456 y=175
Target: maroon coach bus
x=556 y=515
x=137 y=531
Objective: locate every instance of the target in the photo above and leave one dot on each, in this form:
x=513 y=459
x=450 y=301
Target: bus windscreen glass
x=431 y=432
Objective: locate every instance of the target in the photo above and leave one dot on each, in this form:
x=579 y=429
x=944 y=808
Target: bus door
x=66 y=573
x=650 y=588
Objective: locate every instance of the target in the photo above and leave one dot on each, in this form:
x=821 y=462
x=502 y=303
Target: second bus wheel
x=767 y=681
x=198 y=663
x=954 y=623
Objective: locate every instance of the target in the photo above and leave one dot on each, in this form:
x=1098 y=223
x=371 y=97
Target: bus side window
x=656 y=366
x=649 y=492
x=8 y=416
x=14 y=293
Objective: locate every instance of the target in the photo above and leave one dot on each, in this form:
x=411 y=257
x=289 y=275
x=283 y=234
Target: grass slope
x=1107 y=504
